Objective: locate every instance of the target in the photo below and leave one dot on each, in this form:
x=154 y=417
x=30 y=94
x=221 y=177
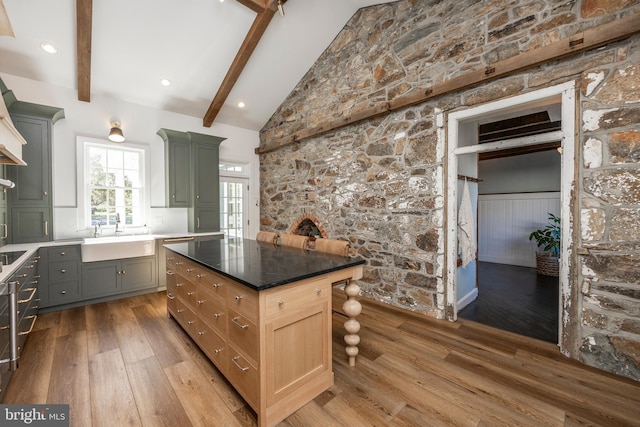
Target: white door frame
x=563 y=93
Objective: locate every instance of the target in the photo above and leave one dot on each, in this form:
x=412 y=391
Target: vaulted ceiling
x=216 y=53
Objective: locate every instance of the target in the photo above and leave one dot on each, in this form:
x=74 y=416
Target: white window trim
x=83 y=179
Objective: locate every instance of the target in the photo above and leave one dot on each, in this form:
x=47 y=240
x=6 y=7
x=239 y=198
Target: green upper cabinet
x=192 y=166
x=30 y=203
x=33 y=182
x=177 y=153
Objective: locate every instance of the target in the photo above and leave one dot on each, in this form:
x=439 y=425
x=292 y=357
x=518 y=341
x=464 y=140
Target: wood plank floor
x=124 y=363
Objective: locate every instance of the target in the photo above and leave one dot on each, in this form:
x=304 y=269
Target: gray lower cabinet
x=105 y=278
x=62 y=275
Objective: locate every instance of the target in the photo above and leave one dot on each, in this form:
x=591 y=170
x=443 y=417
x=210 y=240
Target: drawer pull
x=216 y=285
x=169 y=273
x=238 y=324
x=31 y=266
x=22 y=276
x=33 y=292
x=62 y=270
x=33 y=322
x=235 y=362
x=190 y=293
x=318 y=292
x=239 y=297
x=190 y=322
x=63 y=292
x=180 y=310
x=280 y=303
x=178 y=263
x=217 y=350
x=217 y=315
x=201 y=333
x=200 y=301
x=62 y=253
x=171 y=297
x=199 y=276
x=189 y=270
x=179 y=285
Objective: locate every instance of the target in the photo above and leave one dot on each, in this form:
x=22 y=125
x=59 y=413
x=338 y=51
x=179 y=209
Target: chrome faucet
x=118 y=223
x=96 y=229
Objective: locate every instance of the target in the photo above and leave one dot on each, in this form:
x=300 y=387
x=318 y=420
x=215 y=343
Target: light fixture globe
x=115 y=134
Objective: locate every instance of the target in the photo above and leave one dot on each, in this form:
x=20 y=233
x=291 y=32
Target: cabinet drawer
x=243 y=300
x=212 y=310
x=172 y=293
x=213 y=282
x=63 y=292
x=243 y=333
x=186 y=290
x=284 y=300
x=187 y=318
x=244 y=377
x=214 y=346
x=63 y=253
x=63 y=271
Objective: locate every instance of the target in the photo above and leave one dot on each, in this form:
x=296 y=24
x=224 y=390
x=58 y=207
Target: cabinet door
x=32 y=181
x=178 y=174
x=30 y=225
x=206 y=174
x=100 y=278
x=206 y=219
x=138 y=273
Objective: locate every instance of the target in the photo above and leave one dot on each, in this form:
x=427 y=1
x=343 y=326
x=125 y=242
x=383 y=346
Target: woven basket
x=547 y=265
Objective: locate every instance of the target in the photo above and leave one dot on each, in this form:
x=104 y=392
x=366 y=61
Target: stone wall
x=380 y=182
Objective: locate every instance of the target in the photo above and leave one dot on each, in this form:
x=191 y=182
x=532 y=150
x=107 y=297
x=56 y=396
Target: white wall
x=139 y=124
x=505 y=222
x=531 y=172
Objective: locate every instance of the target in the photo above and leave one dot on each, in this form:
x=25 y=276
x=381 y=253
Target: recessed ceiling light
x=48 y=47
x=241 y=104
x=165 y=82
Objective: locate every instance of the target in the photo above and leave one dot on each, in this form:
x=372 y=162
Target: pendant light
x=115 y=134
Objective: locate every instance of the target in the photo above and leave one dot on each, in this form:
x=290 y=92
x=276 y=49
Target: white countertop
x=31 y=248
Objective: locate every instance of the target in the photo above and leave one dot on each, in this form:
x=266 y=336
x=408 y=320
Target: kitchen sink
x=112 y=247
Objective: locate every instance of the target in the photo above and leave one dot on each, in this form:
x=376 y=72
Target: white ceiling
x=192 y=43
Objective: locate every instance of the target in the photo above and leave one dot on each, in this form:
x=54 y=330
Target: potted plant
x=548 y=238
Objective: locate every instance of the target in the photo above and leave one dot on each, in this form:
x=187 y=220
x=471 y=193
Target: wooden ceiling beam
x=249 y=44
x=258 y=6
x=84 y=12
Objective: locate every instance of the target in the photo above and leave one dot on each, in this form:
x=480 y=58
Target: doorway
x=463 y=153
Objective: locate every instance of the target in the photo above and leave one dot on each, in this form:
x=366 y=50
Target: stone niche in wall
x=308 y=225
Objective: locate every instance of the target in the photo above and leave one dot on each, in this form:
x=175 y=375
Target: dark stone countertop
x=260 y=265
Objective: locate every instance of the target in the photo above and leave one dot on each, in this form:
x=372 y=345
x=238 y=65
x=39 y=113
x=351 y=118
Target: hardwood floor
x=516 y=299
x=124 y=363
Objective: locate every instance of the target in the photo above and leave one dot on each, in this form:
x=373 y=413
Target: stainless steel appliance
x=18 y=312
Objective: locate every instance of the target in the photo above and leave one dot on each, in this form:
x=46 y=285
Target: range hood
x=11 y=141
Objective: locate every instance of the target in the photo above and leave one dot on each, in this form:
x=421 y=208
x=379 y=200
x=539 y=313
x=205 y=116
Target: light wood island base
x=274 y=345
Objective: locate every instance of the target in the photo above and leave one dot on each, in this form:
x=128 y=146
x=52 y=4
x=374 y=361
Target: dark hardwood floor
x=124 y=363
x=516 y=299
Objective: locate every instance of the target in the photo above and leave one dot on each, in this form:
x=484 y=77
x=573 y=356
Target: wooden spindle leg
x=352 y=308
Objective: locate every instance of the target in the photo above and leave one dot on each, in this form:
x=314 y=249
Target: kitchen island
x=262 y=314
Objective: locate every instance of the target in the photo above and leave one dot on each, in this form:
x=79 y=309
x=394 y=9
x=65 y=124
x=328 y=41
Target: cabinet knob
x=189 y=270
x=62 y=270
x=216 y=285
x=173 y=196
x=217 y=315
x=179 y=285
x=217 y=351
x=190 y=322
x=63 y=292
x=189 y=293
x=200 y=301
x=318 y=291
x=238 y=297
x=201 y=333
x=280 y=303
x=180 y=310
x=62 y=253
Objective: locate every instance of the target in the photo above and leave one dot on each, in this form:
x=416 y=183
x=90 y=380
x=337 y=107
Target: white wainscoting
x=505 y=222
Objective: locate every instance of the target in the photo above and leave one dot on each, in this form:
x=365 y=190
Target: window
x=114 y=184
x=234 y=199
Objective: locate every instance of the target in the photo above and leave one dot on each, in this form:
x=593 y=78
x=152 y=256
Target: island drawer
x=213 y=282
x=186 y=290
x=187 y=318
x=214 y=346
x=243 y=300
x=288 y=299
x=244 y=377
x=212 y=309
x=243 y=333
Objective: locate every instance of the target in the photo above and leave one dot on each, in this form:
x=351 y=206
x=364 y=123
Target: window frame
x=83 y=180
